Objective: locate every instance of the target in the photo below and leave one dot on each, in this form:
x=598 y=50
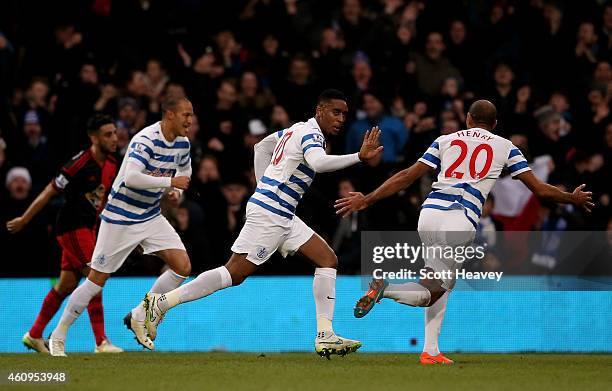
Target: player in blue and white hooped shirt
x=470 y=161
x=157 y=162
x=285 y=166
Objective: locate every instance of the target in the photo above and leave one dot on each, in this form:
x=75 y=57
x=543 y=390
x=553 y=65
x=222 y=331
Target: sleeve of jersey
x=431 y=157
x=136 y=179
x=312 y=141
x=185 y=168
x=140 y=151
x=62 y=180
x=263 y=153
x=69 y=171
x=322 y=162
x=516 y=163
x=185 y=162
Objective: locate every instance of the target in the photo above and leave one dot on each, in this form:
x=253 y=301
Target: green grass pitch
x=303 y=371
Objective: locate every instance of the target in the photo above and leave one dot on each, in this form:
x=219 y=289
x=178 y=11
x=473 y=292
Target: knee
x=330 y=260
x=237 y=278
x=98 y=278
x=185 y=268
x=65 y=288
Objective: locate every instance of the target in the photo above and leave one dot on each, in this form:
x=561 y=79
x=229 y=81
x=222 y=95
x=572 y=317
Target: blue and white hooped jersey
x=470 y=161
x=288 y=175
x=157 y=157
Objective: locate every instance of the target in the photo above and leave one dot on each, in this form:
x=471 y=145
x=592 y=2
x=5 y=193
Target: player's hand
x=174 y=197
x=371 y=147
x=353 y=203
x=16 y=225
x=583 y=199
x=180 y=182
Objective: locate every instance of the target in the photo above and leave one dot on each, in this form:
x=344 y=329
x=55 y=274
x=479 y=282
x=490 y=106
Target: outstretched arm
x=18 y=223
x=548 y=192
x=322 y=162
x=357 y=201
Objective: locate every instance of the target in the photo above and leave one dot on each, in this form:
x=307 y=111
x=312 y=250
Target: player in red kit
x=85 y=181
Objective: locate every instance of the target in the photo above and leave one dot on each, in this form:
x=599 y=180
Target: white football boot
x=107 y=347
x=153 y=314
x=57 y=347
x=139 y=330
x=328 y=343
x=37 y=344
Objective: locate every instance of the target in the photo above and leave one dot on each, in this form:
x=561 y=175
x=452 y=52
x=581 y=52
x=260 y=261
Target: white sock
x=166 y=282
x=79 y=299
x=409 y=293
x=324 y=291
x=203 y=285
x=434 y=316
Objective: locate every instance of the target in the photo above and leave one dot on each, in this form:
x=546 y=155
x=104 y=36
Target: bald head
x=482 y=114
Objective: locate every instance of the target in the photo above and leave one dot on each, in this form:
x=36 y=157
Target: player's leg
x=434 y=315
x=455 y=231
x=168 y=246
x=324 y=282
x=115 y=243
x=305 y=241
x=67 y=282
x=79 y=245
x=426 y=292
x=257 y=241
x=235 y=271
x=95 y=310
x=179 y=268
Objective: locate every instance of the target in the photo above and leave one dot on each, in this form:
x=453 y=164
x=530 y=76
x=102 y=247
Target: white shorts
x=444 y=228
x=115 y=242
x=264 y=233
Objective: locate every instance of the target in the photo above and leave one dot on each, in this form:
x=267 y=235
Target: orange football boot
x=428 y=359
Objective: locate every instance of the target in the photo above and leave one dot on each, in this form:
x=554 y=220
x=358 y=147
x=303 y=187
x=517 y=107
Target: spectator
x=298 y=90
x=279 y=119
x=353 y=24
x=3 y=167
x=461 y=52
x=19 y=246
x=361 y=77
x=431 y=68
x=393 y=136
x=605 y=36
x=329 y=59
x=34 y=153
x=346 y=238
x=253 y=100
x=155 y=80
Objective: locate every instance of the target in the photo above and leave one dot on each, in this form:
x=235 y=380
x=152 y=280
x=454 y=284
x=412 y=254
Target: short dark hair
x=97 y=121
x=483 y=112
x=330 y=94
x=170 y=104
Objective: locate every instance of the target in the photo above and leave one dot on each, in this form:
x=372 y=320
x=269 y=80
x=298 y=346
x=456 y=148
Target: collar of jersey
x=313 y=122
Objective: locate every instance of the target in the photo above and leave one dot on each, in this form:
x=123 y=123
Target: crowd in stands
x=253 y=67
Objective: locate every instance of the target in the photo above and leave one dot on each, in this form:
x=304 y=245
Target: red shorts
x=77 y=248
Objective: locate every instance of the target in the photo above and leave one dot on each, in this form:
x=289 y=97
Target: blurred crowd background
x=252 y=67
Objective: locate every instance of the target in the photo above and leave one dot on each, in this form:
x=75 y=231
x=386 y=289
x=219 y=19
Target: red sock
x=50 y=305
x=96 y=317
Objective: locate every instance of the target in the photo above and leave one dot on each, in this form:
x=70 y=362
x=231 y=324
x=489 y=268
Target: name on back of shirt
x=473 y=133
